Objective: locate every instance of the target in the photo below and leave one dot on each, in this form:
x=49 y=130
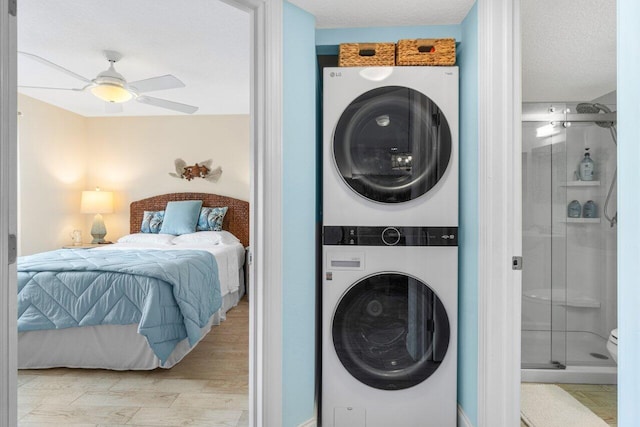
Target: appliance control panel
x=389 y=236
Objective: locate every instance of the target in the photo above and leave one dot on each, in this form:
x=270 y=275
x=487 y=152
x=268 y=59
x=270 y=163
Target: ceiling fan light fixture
x=111 y=93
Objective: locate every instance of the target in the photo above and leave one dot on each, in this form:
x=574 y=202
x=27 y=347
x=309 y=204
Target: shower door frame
x=557 y=353
x=561 y=116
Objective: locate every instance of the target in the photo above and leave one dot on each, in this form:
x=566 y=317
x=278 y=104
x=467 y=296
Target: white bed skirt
x=116 y=347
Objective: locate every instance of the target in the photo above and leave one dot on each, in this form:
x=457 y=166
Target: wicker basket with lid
x=426 y=52
x=367 y=54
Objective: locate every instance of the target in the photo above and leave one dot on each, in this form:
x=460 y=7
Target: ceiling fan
x=111 y=86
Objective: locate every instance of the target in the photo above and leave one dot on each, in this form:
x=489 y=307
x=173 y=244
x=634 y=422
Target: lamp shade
x=96 y=202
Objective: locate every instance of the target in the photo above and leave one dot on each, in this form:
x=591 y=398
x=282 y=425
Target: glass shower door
x=591 y=240
x=544 y=168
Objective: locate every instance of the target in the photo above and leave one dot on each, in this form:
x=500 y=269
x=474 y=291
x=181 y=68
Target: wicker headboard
x=236 y=220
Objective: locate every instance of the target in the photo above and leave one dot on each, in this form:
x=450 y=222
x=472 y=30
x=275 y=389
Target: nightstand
x=82 y=246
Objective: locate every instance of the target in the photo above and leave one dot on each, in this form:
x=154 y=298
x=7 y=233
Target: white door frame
x=8 y=214
x=500 y=212
x=265 y=324
x=265 y=370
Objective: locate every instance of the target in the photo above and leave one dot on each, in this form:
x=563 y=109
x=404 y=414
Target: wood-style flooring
x=209 y=387
x=601 y=399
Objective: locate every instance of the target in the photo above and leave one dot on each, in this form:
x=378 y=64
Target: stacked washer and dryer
x=390 y=236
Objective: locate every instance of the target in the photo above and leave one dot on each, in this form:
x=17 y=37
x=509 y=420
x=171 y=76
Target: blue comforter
x=171 y=294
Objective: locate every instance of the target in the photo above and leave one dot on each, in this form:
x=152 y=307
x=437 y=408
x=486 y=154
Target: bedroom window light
x=97 y=202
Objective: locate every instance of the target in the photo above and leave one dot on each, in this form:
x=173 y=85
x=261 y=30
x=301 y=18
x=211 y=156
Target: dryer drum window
x=390 y=331
x=392 y=144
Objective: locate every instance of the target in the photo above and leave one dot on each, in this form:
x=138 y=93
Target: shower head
x=586 y=108
x=595 y=108
x=589 y=108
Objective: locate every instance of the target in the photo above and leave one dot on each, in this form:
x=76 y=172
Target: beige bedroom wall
x=62 y=153
x=132 y=156
x=52 y=169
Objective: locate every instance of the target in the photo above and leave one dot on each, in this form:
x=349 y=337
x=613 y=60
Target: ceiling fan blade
x=163 y=103
x=55 y=66
x=75 y=89
x=112 y=108
x=156 y=83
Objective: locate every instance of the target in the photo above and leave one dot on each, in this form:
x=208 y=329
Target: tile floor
x=602 y=400
x=209 y=387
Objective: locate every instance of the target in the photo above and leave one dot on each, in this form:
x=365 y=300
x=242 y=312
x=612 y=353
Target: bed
x=156 y=296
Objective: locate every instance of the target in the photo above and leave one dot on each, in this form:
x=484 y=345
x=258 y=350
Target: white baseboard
x=463 y=421
x=309 y=423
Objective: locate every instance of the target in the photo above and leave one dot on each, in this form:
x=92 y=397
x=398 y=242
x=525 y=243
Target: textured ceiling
x=205 y=43
x=367 y=13
x=568 y=49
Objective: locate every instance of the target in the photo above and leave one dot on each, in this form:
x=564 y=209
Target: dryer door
x=392 y=144
x=390 y=331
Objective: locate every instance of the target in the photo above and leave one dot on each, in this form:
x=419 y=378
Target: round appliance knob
x=391 y=236
x=333 y=235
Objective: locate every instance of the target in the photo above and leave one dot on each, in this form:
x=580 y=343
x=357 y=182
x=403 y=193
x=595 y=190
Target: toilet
x=612 y=345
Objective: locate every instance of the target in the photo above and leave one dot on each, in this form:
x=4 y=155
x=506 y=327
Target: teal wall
x=333 y=37
x=468 y=251
x=299 y=194
x=628 y=212
x=300 y=199
x=466 y=35
x=299 y=207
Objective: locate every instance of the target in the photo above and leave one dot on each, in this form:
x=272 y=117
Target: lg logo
x=335 y=74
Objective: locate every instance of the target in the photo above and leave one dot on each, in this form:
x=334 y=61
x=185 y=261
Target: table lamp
x=97 y=202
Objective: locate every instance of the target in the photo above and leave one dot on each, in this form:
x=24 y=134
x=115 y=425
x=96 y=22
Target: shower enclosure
x=569 y=269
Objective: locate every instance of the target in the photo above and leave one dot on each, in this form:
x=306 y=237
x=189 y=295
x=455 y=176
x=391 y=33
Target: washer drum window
x=392 y=144
x=390 y=331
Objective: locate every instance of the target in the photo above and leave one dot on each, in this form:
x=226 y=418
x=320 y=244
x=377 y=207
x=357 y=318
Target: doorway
x=265 y=195
x=569 y=168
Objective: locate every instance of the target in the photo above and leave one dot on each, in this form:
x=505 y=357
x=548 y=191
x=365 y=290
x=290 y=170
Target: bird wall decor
x=198 y=170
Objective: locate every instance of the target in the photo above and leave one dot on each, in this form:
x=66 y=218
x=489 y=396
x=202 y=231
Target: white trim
x=268 y=262
x=8 y=224
x=309 y=423
x=265 y=326
x=463 y=420
x=265 y=370
x=500 y=234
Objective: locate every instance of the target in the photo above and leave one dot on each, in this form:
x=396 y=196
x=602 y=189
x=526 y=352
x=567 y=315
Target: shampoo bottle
x=574 y=209
x=590 y=210
x=585 y=169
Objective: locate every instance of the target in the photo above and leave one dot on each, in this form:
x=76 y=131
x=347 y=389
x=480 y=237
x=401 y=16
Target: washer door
x=392 y=144
x=390 y=331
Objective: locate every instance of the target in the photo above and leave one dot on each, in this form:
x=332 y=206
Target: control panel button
x=391 y=236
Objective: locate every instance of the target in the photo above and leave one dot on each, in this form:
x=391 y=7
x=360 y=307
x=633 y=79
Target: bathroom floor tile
x=601 y=399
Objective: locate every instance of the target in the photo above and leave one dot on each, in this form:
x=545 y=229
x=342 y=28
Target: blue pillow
x=151 y=221
x=211 y=219
x=181 y=217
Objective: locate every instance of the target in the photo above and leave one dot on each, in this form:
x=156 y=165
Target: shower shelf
x=562 y=297
x=581 y=184
x=583 y=220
